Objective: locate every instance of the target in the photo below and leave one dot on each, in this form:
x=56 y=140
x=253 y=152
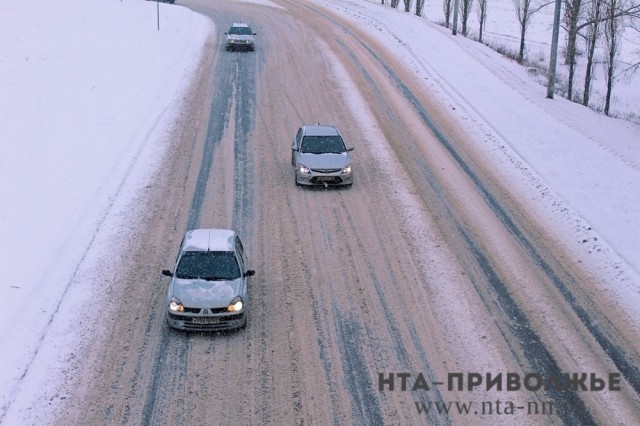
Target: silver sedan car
x=240 y=36
x=320 y=156
x=208 y=290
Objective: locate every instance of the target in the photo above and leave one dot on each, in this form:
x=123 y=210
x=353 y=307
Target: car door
x=295 y=146
x=242 y=261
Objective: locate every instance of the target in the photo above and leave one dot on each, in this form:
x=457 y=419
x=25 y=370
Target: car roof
x=320 y=130
x=240 y=24
x=209 y=240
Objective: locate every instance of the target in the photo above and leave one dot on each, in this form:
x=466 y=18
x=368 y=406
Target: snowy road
x=428 y=264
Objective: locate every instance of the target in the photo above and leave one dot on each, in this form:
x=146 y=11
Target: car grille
x=221 y=318
x=326 y=171
x=330 y=180
x=203 y=323
x=210 y=310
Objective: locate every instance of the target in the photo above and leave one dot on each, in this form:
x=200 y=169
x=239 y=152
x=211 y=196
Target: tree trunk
x=572 y=13
x=524 y=21
x=446 y=8
x=466 y=9
x=483 y=16
x=591 y=48
x=607 y=102
x=612 y=33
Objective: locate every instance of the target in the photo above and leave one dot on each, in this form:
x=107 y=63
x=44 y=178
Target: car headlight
x=236 y=305
x=304 y=169
x=346 y=170
x=175 y=305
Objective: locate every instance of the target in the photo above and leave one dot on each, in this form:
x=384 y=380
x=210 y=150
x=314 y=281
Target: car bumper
x=213 y=323
x=239 y=45
x=314 y=179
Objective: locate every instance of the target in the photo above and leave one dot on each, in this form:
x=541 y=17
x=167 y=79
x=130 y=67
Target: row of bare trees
x=407 y=5
x=598 y=23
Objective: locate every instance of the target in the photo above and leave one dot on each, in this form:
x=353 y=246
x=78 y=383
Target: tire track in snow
x=623 y=361
x=241 y=87
x=350 y=343
x=536 y=353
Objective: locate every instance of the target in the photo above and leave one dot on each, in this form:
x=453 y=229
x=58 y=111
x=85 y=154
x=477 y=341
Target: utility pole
x=553 y=56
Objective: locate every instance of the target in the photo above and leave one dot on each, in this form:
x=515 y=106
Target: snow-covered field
x=502 y=31
x=89 y=91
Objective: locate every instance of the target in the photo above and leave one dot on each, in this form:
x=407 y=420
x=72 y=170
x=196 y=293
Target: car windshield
x=240 y=31
x=208 y=265
x=322 y=145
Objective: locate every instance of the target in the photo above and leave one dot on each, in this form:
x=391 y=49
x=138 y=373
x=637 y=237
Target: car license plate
x=207 y=320
x=325 y=178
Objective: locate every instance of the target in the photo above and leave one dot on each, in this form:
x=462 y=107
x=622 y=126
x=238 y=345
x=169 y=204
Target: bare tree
x=525 y=9
x=612 y=31
x=465 y=9
x=575 y=22
x=482 y=16
x=394 y=3
x=592 y=35
x=572 y=14
x=446 y=8
x=419 y=7
x=407 y=5
x=634 y=24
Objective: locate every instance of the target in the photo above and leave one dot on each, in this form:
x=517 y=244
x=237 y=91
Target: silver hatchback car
x=320 y=156
x=208 y=290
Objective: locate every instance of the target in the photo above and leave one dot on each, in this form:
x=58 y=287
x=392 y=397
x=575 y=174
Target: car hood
x=325 y=161
x=205 y=294
x=238 y=37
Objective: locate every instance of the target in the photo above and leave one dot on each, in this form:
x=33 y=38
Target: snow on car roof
x=320 y=130
x=209 y=240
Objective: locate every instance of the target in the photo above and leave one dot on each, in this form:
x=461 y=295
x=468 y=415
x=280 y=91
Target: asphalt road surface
x=428 y=265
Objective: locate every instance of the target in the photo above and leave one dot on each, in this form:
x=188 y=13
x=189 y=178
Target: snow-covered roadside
x=89 y=92
x=577 y=169
x=502 y=31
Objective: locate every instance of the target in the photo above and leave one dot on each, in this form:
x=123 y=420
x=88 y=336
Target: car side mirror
x=254 y=34
x=250 y=273
x=351 y=148
x=167 y=272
